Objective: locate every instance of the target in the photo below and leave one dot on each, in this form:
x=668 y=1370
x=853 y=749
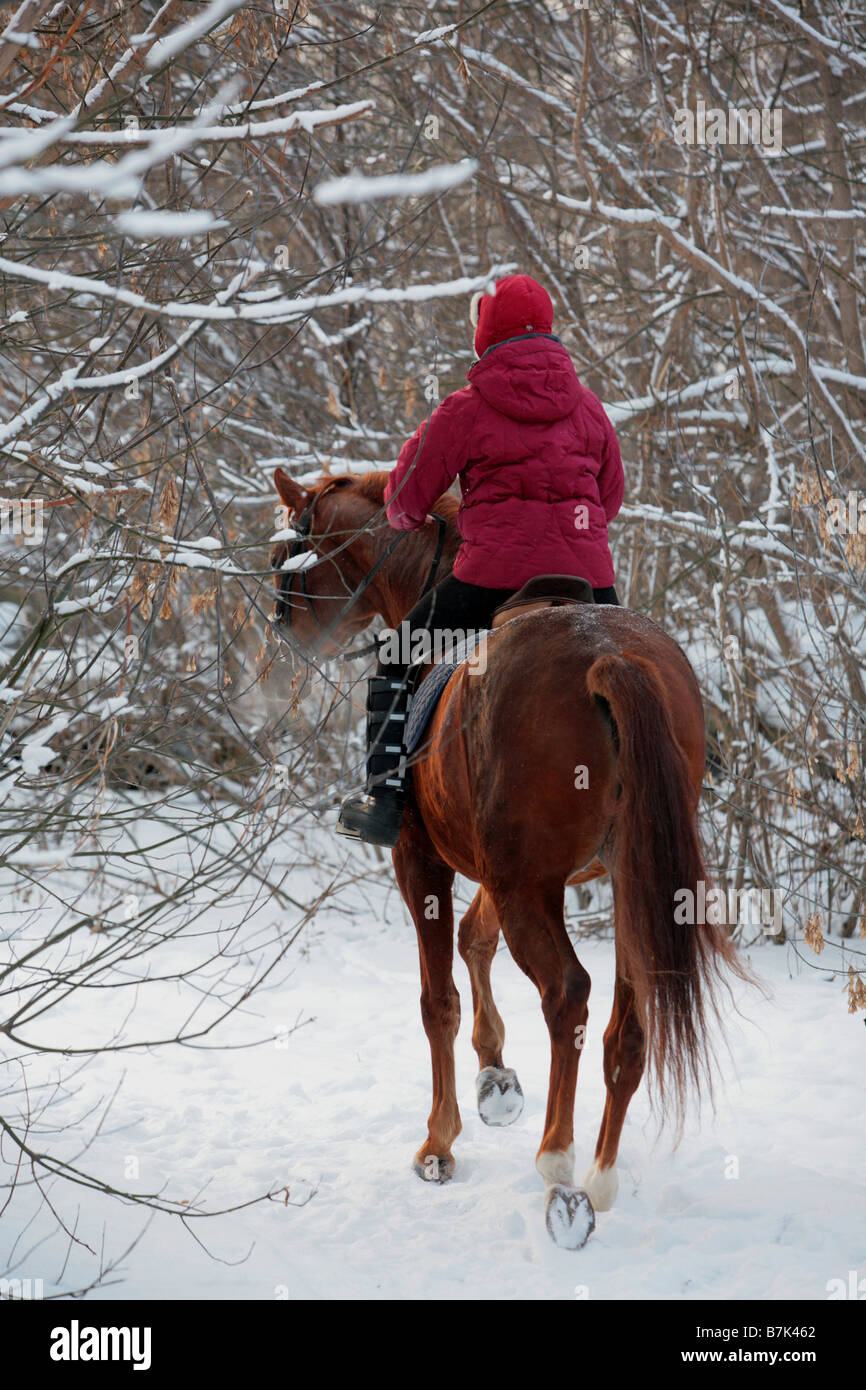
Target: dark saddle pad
x=544 y=591
x=426 y=697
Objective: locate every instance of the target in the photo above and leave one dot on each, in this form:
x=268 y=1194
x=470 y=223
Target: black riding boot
x=375 y=816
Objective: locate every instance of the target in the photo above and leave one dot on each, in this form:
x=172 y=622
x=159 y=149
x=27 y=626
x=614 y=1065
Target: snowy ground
x=337 y=1109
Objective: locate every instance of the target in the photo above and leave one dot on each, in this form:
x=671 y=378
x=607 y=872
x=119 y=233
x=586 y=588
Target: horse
x=577 y=750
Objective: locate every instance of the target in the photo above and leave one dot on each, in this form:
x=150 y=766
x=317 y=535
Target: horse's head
x=318 y=572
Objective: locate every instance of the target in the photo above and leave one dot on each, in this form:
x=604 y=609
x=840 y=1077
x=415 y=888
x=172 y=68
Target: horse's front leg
x=426 y=882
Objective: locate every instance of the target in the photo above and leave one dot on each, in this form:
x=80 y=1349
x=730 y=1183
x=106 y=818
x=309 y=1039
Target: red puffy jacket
x=539 y=463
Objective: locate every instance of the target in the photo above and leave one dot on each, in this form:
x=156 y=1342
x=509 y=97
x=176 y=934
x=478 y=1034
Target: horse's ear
x=291 y=495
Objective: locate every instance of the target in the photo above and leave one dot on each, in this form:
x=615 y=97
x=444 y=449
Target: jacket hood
x=519 y=305
x=528 y=379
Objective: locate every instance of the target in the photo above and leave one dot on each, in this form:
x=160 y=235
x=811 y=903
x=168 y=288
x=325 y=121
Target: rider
x=540 y=476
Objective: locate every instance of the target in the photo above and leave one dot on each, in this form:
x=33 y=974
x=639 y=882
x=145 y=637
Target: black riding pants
x=454 y=605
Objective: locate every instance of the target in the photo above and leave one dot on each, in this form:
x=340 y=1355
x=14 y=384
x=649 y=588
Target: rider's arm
x=430 y=461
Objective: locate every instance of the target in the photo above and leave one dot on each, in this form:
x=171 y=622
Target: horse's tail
x=672 y=967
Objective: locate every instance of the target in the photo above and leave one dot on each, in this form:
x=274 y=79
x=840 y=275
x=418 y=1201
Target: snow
x=342 y=335
x=35 y=753
x=122 y=179
x=25 y=40
x=356 y=188
x=815 y=214
x=111 y=707
x=164 y=139
x=62 y=280
x=96 y=602
x=334 y=1111
x=278 y=310
x=856 y=383
x=167 y=224
x=188 y=33
x=431 y=35
x=192 y=559
x=79 y=558
x=283 y=310
x=69 y=378
x=47 y=667
x=265 y=103
x=794 y=16
x=20 y=145
x=83 y=485
x=494 y=65
x=304 y=561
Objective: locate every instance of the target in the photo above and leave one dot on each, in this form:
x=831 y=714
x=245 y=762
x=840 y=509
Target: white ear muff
x=473 y=308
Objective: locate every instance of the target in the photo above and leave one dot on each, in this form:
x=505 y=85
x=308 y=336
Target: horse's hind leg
x=624 y=1058
x=425 y=882
x=500 y=1099
x=534 y=928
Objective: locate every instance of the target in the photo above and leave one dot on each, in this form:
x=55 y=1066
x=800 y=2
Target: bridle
x=299 y=546
x=302 y=544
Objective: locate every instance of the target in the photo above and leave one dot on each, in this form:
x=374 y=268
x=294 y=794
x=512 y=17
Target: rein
x=302 y=545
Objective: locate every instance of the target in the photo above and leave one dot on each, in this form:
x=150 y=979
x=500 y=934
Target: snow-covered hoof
x=500 y=1099
x=569 y=1216
x=432 y=1168
x=601 y=1185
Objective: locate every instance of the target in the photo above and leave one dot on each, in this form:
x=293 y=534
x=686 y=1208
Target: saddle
x=544 y=591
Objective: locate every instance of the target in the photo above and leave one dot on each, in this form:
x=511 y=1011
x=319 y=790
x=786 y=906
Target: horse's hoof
x=569 y=1216
x=500 y=1099
x=432 y=1168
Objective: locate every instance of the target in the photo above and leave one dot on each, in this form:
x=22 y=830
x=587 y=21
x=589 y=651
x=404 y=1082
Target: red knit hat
x=519 y=305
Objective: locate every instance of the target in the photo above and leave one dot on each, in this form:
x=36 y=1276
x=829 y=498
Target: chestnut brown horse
x=578 y=751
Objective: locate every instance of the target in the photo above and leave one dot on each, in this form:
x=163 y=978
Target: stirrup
x=374 y=817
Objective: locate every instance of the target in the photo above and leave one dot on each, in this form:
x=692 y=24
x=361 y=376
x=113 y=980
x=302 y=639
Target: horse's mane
x=412 y=558
x=372 y=486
